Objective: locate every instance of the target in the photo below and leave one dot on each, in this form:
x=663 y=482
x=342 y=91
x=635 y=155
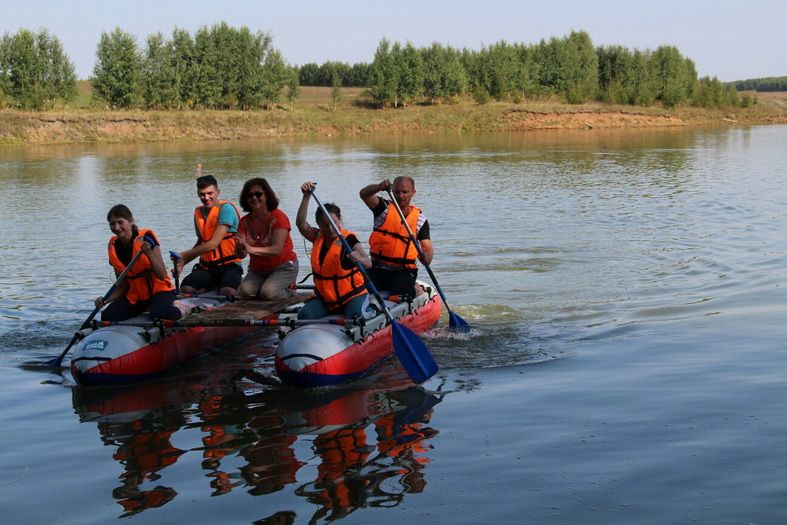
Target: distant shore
x=314 y=114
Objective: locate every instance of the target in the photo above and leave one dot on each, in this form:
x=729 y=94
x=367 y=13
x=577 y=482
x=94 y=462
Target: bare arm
x=156 y=261
x=427 y=251
x=369 y=193
x=278 y=239
x=359 y=255
x=308 y=231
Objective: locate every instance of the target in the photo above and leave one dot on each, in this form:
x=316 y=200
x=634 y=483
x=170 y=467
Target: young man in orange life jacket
x=216 y=225
x=393 y=252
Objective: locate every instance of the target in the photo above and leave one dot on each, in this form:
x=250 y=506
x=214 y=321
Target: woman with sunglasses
x=264 y=234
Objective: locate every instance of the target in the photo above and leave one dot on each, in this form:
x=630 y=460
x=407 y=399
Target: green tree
x=383 y=75
x=293 y=85
x=410 y=68
x=116 y=75
x=673 y=76
x=336 y=90
x=308 y=75
x=159 y=74
x=444 y=76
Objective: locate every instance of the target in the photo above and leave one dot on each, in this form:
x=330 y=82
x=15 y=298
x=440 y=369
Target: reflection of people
x=143 y=453
x=338 y=283
x=393 y=253
x=339 y=488
x=272 y=464
x=216 y=223
x=264 y=234
x=146 y=286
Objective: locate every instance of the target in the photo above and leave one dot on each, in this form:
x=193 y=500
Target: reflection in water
x=369 y=445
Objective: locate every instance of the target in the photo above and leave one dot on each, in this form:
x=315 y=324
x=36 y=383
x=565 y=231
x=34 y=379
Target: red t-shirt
x=260 y=235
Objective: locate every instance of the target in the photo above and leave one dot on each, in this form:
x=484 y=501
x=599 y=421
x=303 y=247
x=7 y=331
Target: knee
x=248 y=290
x=273 y=293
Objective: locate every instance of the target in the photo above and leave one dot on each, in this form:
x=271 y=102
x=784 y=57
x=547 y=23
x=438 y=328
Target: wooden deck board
x=249 y=309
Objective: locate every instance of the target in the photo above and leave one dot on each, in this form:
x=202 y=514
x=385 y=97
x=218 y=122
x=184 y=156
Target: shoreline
x=318 y=118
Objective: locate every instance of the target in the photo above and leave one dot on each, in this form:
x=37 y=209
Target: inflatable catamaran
x=314 y=353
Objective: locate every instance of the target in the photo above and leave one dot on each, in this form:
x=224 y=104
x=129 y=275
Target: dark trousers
x=398 y=282
x=158 y=307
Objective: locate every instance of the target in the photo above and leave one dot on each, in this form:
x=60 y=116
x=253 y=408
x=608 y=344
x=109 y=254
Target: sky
x=730 y=40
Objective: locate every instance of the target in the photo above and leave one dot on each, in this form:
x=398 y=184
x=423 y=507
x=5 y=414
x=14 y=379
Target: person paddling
x=264 y=234
x=216 y=225
x=338 y=283
x=146 y=286
x=393 y=253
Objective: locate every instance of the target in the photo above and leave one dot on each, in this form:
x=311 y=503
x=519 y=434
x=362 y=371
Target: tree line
x=762 y=84
x=569 y=67
x=222 y=67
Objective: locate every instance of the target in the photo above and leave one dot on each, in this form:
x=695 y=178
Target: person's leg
x=356 y=306
x=251 y=284
x=198 y=281
x=121 y=309
x=313 y=309
x=403 y=283
x=230 y=278
x=380 y=278
x=161 y=306
x=278 y=282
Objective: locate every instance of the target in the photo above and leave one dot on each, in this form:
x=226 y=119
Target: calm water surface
x=627 y=363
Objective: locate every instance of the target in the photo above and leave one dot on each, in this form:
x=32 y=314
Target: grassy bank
x=313 y=113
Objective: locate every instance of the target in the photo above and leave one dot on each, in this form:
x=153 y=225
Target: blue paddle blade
x=412 y=352
x=457 y=323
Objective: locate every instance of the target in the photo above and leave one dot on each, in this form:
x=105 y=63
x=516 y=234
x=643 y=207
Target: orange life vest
x=334 y=285
x=224 y=253
x=390 y=244
x=142 y=281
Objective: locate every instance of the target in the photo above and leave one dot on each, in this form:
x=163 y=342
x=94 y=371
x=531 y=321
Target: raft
x=324 y=354
x=138 y=349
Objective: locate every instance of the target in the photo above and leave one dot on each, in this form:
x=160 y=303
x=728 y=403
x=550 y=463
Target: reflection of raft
x=127 y=353
x=326 y=354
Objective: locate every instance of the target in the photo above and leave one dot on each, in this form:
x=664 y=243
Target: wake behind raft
x=323 y=352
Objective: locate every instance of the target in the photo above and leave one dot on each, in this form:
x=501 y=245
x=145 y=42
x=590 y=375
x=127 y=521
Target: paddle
x=411 y=351
x=454 y=321
x=59 y=359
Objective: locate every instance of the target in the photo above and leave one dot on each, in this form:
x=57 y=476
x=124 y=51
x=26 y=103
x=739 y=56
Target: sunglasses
x=256 y=194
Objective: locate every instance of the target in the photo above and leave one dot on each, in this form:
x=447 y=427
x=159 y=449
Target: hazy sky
x=731 y=40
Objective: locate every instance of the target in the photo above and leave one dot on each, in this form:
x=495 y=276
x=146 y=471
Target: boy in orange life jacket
x=393 y=253
x=216 y=224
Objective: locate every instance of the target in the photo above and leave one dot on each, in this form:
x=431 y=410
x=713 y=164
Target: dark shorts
x=228 y=276
x=398 y=282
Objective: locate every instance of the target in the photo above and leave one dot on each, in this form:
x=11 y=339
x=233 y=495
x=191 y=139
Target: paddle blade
x=457 y=323
x=412 y=352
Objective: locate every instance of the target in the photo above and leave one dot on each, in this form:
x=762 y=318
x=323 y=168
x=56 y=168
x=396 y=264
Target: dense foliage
x=570 y=68
x=221 y=67
x=762 y=84
x=312 y=74
x=34 y=71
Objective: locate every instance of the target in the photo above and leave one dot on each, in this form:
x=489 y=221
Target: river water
x=626 y=364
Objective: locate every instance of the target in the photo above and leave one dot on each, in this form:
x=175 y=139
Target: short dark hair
x=404 y=178
x=271 y=201
x=332 y=208
x=206 y=180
